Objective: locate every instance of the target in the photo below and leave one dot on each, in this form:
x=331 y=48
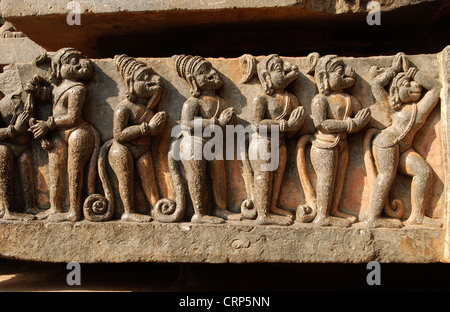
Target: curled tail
x=306 y=212
x=97 y=207
x=167 y=210
x=396 y=208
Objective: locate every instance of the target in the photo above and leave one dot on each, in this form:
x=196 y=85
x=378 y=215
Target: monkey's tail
x=168 y=210
x=248 y=209
x=396 y=208
x=97 y=207
x=308 y=211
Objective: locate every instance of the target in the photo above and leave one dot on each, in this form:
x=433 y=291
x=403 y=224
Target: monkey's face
x=76 y=66
x=340 y=77
x=146 y=84
x=409 y=90
x=207 y=77
x=281 y=74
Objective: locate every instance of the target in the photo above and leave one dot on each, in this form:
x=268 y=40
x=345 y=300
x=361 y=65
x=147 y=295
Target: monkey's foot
x=63 y=216
x=135 y=217
x=227 y=215
x=343 y=215
x=271 y=219
x=426 y=222
x=331 y=221
x=198 y=218
x=280 y=211
x=383 y=223
x=46 y=213
x=16 y=216
x=33 y=210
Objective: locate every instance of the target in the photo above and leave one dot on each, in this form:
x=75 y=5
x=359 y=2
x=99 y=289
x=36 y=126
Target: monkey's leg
x=196 y=176
x=386 y=160
x=325 y=165
x=26 y=169
x=412 y=164
x=80 y=146
x=263 y=185
x=146 y=172
x=7 y=186
x=278 y=179
x=122 y=162
x=339 y=185
x=218 y=176
x=57 y=160
x=6 y=180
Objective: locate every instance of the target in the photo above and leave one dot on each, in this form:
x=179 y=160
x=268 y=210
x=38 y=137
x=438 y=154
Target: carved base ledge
x=232 y=242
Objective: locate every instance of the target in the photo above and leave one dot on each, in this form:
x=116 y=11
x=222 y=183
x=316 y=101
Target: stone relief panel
x=357 y=141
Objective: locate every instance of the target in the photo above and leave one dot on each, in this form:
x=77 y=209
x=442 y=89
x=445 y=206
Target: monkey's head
x=330 y=73
x=68 y=63
x=403 y=90
x=275 y=74
x=199 y=73
x=140 y=79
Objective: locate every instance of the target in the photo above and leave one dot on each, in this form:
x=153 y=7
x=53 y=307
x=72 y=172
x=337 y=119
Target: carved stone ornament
x=270 y=158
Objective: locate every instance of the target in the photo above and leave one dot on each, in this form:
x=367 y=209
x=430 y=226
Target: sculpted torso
x=127 y=115
x=68 y=104
x=276 y=105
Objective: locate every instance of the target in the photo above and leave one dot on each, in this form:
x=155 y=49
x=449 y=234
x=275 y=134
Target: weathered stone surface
x=114 y=27
x=18 y=50
x=235 y=242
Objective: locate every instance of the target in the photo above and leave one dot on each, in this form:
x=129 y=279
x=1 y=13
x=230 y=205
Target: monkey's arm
x=319 y=106
x=377 y=85
x=76 y=99
x=431 y=98
x=121 y=131
x=361 y=116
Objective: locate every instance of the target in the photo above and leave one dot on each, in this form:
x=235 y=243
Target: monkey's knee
x=424 y=175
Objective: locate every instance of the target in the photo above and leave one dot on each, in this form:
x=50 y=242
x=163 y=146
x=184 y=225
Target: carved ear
x=195 y=91
x=322 y=83
x=267 y=83
x=248 y=66
x=394 y=99
x=130 y=89
x=313 y=58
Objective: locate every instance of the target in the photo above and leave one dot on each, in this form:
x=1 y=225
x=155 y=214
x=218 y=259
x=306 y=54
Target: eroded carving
x=335 y=114
x=276 y=116
x=17 y=111
x=390 y=150
x=205 y=109
x=72 y=138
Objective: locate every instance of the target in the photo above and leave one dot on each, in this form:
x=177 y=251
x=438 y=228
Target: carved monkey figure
x=135 y=122
x=72 y=138
x=203 y=110
x=274 y=109
x=390 y=150
x=15 y=153
x=335 y=114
